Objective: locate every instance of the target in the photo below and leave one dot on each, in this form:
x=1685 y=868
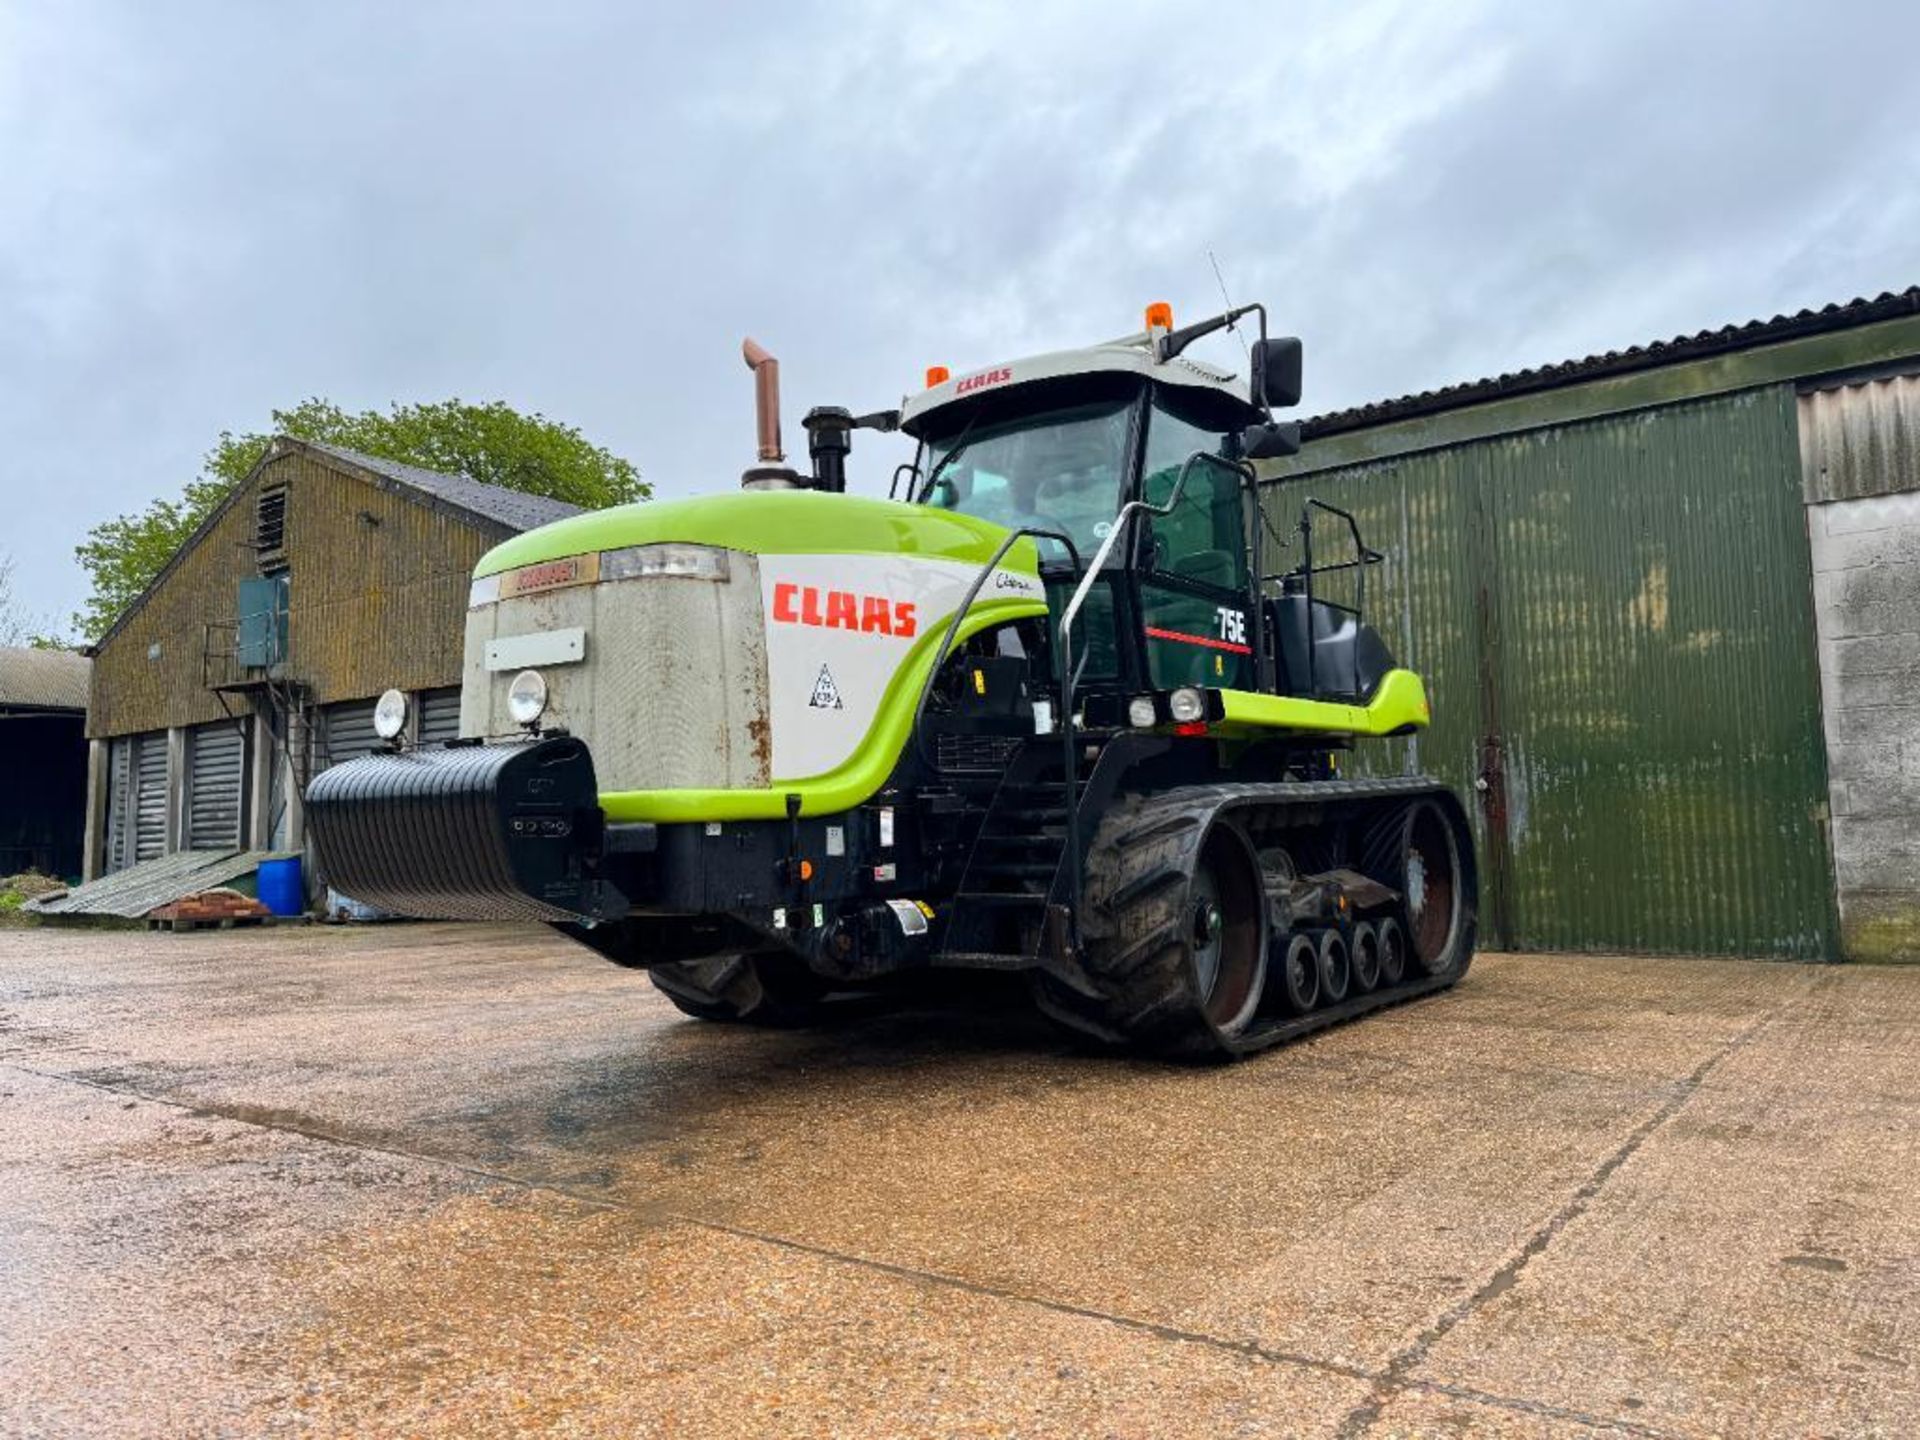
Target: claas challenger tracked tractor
x=1068 y=702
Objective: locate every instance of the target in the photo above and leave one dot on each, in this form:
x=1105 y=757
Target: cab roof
x=1130 y=355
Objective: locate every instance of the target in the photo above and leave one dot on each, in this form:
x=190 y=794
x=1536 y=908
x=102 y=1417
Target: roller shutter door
x=216 y=771
x=149 y=799
x=346 y=733
x=119 y=802
x=439 y=716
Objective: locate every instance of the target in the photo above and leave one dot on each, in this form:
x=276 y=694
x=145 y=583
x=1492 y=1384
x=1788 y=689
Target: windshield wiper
x=946 y=460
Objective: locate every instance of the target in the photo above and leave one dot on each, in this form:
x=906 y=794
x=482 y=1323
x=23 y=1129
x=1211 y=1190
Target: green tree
x=18 y=626
x=492 y=442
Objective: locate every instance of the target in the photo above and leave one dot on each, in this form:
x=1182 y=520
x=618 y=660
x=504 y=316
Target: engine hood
x=769 y=522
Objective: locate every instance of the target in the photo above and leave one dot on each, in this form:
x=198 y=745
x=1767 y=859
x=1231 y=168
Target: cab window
x=1057 y=470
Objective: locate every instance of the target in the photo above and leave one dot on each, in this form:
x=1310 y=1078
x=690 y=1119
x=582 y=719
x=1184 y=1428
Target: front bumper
x=506 y=831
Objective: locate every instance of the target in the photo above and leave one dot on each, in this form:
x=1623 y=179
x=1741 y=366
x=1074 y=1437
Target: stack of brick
x=210 y=907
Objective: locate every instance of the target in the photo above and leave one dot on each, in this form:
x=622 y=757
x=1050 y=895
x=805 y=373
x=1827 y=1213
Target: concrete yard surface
x=450 y=1180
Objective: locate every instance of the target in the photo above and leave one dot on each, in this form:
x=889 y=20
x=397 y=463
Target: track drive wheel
x=754 y=988
x=1424 y=853
x=1179 y=951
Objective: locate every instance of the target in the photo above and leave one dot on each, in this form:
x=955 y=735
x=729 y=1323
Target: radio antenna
x=1226 y=299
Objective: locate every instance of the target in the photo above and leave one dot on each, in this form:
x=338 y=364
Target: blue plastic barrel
x=280 y=887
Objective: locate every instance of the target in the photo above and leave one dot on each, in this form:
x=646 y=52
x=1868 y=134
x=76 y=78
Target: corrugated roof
x=513 y=508
x=131 y=893
x=1889 y=306
x=43 y=680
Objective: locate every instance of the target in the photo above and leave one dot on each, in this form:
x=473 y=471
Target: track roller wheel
x=1366 y=957
x=1299 y=975
x=767 y=988
x=1392 y=943
x=1336 y=968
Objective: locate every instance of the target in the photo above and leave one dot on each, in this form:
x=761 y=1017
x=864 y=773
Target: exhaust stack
x=770 y=473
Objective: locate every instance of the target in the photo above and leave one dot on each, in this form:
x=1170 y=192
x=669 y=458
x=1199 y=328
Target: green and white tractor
x=1069 y=702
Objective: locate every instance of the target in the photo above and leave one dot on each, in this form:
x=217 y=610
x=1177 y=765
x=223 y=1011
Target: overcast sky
x=207 y=211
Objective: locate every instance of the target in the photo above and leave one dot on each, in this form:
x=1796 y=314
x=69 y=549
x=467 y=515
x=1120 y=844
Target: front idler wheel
x=1225 y=931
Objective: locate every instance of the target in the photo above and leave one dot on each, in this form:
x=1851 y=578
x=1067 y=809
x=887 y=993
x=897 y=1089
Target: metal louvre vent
x=216 y=769
x=270 y=524
x=974 y=752
x=439 y=716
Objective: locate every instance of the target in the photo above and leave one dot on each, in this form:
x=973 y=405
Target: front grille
x=975 y=752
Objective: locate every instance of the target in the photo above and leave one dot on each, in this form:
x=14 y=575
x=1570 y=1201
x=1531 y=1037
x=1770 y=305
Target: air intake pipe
x=829 y=439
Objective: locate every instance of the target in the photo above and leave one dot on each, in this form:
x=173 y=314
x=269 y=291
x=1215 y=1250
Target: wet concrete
x=453 y=1180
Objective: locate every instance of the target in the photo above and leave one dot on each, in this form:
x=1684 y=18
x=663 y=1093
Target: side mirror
x=1276 y=371
x=1275 y=440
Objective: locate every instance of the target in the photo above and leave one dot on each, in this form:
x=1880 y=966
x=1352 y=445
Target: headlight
x=1186 y=706
x=484 y=591
x=1140 y=712
x=390 y=715
x=527 y=697
x=686 y=562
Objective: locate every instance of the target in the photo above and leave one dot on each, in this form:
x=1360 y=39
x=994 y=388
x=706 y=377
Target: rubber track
x=1133 y=917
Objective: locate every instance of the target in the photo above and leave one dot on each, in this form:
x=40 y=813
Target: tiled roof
x=43 y=680
x=1619 y=362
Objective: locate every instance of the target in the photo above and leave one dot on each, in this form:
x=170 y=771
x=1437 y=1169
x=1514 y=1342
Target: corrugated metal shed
x=43 y=680
x=1861 y=438
x=1612 y=617
x=1660 y=353
x=377 y=571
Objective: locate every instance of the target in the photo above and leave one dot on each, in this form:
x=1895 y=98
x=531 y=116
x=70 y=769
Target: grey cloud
x=207 y=211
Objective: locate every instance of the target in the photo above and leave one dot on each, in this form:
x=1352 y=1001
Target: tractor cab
x=1136 y=434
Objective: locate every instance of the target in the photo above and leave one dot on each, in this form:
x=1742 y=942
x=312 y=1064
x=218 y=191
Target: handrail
x=1062 y=671
x=1368 y=556
x=953 y=625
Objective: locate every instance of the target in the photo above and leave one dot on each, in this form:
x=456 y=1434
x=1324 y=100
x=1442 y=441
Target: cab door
x=1196 y=625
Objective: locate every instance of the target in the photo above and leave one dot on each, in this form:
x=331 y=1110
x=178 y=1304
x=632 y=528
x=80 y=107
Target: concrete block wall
x=1866 y=587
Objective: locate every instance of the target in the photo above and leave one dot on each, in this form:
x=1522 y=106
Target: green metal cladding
x=1612 y=616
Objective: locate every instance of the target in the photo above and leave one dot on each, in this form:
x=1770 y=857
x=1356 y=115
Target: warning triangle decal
x=826 y=694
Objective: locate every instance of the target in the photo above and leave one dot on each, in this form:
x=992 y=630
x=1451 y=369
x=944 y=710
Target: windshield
x=1057 y=470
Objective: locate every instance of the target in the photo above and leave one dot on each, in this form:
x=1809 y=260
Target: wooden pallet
x=223 y=922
